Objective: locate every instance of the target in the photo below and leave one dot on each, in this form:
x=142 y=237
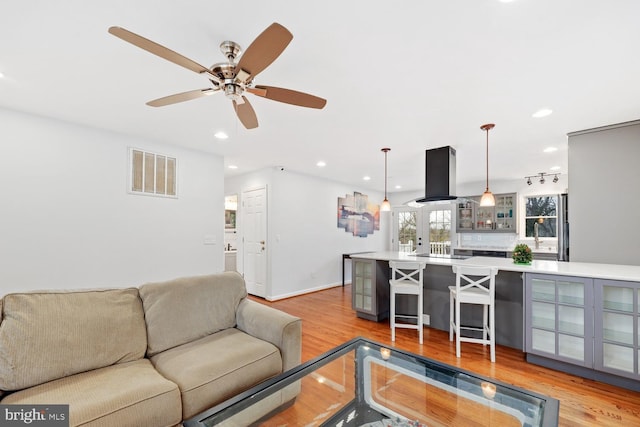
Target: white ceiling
x=409 y=75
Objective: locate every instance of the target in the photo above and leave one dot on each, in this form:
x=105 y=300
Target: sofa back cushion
x=54 y=334
x=182 y=310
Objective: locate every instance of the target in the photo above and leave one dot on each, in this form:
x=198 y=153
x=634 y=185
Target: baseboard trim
x=303 y=292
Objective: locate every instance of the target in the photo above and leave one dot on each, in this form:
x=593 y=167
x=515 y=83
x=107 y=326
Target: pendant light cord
x=385 y=150
x=487 y=127
x=385 y=175
x=487 y=160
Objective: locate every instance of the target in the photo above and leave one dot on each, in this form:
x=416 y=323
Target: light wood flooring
x=329 y=321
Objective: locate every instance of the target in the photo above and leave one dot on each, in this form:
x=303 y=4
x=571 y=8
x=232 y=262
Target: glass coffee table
x=364 y=383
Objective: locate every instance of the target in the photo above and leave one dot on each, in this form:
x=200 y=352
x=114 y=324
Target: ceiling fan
x=232 y=78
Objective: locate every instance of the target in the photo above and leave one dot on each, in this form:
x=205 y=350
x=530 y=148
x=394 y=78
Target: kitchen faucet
x=535 y=234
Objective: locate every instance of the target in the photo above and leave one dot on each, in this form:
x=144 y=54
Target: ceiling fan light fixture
x=232 y=78
x=487 y=197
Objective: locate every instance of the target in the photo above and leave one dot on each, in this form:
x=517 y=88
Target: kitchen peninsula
x=582 y=318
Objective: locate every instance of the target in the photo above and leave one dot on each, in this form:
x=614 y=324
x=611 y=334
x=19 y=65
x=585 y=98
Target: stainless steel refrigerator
x=563 y=227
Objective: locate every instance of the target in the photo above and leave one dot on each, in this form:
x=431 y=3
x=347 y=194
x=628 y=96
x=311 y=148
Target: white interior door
x=254 y=224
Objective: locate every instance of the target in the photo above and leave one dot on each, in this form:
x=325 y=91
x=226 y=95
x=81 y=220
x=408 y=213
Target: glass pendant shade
x=487 y=199
x=385 y=206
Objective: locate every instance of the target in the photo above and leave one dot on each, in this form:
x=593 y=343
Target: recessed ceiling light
x=543 y=112
x=221 y=135
x=398 y=187
x=366 y=177
x=232 y=167
x=555 y=168
x=321 y=164
x=1 y=75
x=550 y=149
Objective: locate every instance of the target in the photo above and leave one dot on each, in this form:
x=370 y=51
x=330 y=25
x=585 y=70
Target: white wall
x=67 y=220
x=305 y=244
x=604 y=204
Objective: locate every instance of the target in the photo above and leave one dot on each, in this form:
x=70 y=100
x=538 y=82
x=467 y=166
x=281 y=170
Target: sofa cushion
x=53 y=334
x=127 y=394
x=217 y=367
x=182 y=310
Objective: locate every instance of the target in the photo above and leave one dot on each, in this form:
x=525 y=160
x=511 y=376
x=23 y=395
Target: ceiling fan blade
x=255 y=91
x=263 y=51
x=246 y=114
x=160 y=51
x=294 y=97
x=181 y=97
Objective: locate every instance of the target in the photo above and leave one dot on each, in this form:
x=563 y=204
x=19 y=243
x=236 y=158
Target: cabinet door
x=559 y=318
x=506 y=212
x=363 y=286
x=617 y=327
x=464 y=216
x=501 y=218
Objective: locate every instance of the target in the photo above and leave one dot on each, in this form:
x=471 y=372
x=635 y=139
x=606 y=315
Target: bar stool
x=474 y=285
x=406 y=279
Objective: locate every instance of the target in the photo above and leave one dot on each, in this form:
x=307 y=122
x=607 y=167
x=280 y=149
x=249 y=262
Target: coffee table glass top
x=364 y=383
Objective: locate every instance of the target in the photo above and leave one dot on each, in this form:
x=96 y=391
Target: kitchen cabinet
x=230 y=261
x=501 y=218
x=465 y=216
x=617 y=327
x=370 y=289
x=585 y=326
x=559 y=318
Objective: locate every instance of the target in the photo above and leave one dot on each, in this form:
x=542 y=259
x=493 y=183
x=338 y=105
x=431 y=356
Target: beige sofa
x=149 y=356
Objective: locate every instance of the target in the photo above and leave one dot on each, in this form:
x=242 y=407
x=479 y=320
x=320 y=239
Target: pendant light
x=385 y=206
x=487 y=197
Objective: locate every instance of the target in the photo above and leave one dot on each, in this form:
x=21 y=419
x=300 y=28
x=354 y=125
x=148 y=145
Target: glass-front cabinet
x=559 y=318
x=617 y=327
x=499 y=218
x=465 y=216
x=363 y=286
x=370 y=289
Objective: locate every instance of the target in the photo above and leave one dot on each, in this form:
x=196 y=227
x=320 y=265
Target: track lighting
x=541 y=177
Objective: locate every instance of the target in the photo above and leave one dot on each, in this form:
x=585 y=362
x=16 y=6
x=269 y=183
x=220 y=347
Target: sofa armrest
x=277 y=327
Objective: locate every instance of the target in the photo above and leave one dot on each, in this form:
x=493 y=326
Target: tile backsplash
x=498 y=241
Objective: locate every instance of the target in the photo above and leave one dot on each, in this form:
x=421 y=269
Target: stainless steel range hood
x=440 y=175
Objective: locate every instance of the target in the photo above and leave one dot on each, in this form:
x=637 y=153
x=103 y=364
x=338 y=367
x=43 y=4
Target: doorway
x=406 y=229
x=254 y=240
x=437 y=228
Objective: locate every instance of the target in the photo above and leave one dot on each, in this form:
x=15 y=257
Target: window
x=407 y=231
x=152 y=174
x=440 y=231
x=543 y=211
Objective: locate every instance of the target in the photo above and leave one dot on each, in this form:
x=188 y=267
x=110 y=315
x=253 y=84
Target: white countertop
x=579 y=269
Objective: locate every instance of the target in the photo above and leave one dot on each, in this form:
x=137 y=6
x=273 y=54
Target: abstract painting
x=357 y=216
